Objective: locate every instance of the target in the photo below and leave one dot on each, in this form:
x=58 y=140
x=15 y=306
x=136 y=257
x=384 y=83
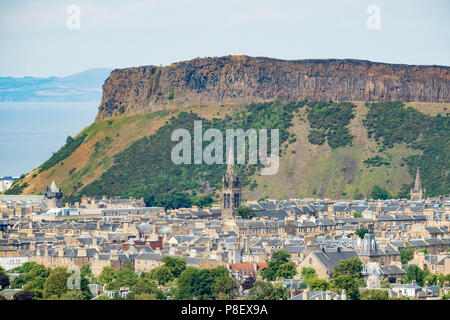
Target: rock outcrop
x=243 y=78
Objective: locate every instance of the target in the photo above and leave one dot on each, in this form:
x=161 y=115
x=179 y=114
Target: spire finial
x=230 y=160
x=417 y=184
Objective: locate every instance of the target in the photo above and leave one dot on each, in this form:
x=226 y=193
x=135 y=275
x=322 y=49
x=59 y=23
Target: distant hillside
x=330 y=149
x=83 y=86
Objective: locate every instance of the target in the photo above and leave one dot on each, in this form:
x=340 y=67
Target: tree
x=264 y=290
x=413 y=272
x=286 y=270
x=385 y=284
x=84 y=287
x=124 y=278
x=430 y=277
x=347 y=282
x=86 y=272
x=225 y=288
x=4 y=281
x=162 y=274
x=357 y=214
x=25 y=268
x=406 y=254
x=145 y=296
x=279 y=258
x=175 y=265
x=75 y=294
x=361 y=232
x=245 y=212
x=24 y=295
x=102 y=298
x=185 y=284
x=350 y=267
x=2 y=271
x=316 y=284
x=442 y=278
x=347 y=275
x=379 y=193
x=308 y=272
x=171 y=94
x=33 y=280
x=107 y=276
x=204 y=284
x=146 y=289
x=56 y=283
x=373 y=294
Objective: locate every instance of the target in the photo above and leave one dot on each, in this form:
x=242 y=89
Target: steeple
x=417 y=193
x=231 y=172
x=369 y=246
x=417 y=184
x=231 y=188
x=53 y=187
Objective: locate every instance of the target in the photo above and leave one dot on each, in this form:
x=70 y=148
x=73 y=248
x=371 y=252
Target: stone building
x=53 y=196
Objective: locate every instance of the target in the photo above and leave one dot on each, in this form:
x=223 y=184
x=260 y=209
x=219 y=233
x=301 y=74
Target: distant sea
x=31 y=131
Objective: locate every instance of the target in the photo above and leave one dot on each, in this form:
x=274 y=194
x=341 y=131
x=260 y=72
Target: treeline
x=65 y=151
x=39 y=282
x=390 y=123
x=172 y=280
x=330 y=120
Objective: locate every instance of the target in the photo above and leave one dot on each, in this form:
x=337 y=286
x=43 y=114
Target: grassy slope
x=90 y=164
x=319 y=171
x=312 y=171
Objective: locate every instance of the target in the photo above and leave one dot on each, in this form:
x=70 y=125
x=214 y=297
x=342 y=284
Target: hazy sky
x=36 y=41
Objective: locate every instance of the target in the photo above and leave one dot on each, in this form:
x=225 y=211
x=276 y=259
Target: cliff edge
x=243 y=78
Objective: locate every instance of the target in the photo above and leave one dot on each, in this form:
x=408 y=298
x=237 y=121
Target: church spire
x=230 y=161
x=231 y=188
x=417 y=184
x=417 y=193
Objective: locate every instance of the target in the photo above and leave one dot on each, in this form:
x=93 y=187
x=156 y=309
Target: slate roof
x=434 y=241
x=385 y=217
x=391 y=270
x=149 y=256
x=330 y=259
x=417 y=243
x=434 y=230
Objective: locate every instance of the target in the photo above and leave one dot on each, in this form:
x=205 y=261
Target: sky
x=42 y=38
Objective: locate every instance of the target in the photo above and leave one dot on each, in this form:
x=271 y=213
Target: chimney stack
x=305 y=294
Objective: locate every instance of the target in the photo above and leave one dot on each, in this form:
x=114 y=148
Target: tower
x=369 y=248
x=231 y=189
x=53 y=196
x=417 y=193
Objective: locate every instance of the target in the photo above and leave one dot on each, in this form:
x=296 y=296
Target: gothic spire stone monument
x=231 y=189
x=417 y=193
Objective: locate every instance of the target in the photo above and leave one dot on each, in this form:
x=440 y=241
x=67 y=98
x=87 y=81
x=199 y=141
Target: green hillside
x=336 y=150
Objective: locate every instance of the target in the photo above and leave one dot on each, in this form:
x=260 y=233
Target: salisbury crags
x=243 y=78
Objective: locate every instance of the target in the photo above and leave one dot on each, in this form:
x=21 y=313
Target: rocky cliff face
x=242 y=78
